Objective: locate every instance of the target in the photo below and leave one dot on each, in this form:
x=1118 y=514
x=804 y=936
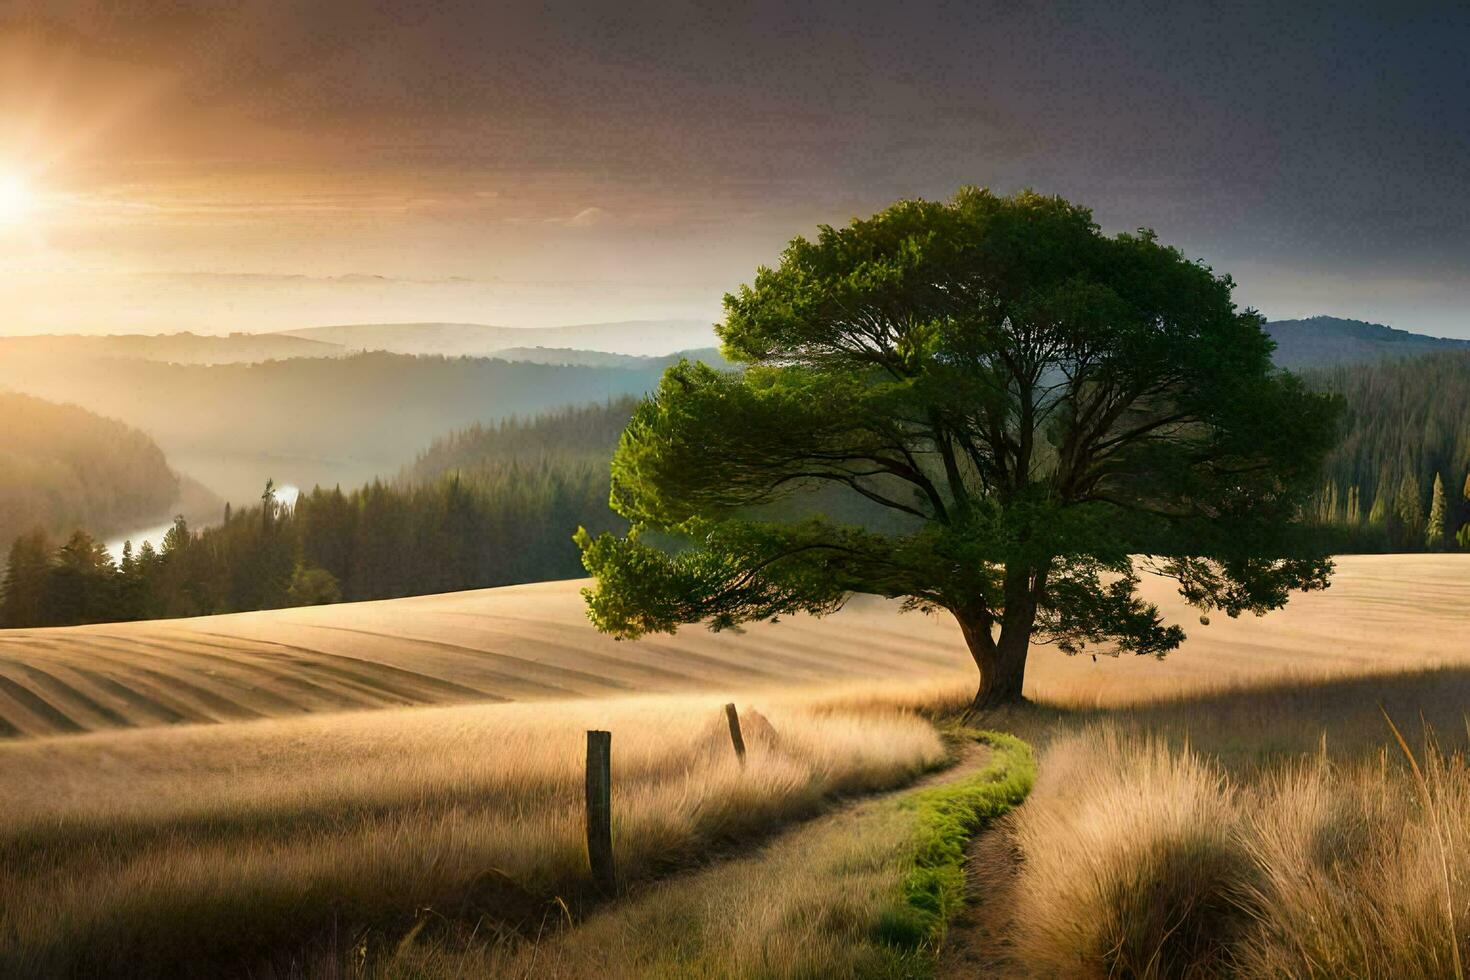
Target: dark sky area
x=1318 y=152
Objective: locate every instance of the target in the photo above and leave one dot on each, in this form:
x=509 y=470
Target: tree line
x=494 y=505
x=477 y=510
x=1399 y=479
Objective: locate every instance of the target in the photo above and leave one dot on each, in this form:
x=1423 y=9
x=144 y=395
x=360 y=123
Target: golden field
x=215 y=796
x=1383 y=614
x=254 y=847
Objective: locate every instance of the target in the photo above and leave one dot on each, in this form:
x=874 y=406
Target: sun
x=17 y=200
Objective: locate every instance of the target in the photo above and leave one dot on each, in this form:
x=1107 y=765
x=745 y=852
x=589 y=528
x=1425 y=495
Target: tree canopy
x=1031 y=412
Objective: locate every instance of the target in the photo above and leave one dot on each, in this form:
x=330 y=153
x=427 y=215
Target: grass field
x=260 y=846
x=296 y=832
x=1382 y=614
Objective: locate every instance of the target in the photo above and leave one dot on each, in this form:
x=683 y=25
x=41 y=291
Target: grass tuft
x=946 y=818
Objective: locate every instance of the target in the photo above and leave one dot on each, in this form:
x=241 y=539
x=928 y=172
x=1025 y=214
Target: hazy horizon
x=693 y=323
x=275 y=165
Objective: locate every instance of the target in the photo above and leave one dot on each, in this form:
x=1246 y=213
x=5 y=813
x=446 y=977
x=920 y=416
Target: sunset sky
x=220 y=166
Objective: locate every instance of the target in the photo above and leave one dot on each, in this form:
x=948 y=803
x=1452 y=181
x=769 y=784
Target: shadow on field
x=1254 y=832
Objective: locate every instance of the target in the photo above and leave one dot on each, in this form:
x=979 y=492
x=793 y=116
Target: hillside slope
x=1323 y=341
x=1383 y=613
x=642 y=337
x=176 y=348
x=62 y=467
x=312 y=420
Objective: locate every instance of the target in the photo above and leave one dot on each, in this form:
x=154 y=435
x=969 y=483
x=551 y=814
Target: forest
x=495 y=504
x=63 y=467
x=484 y=507
x=1399 y=479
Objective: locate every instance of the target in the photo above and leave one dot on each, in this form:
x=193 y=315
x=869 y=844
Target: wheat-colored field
x=1144 y=854
x=256 y=847
x=296 y=832
x=526 y=643
x=1382 y=614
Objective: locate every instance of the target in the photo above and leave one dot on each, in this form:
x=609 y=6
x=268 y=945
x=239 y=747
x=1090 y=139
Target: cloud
x=588 y=218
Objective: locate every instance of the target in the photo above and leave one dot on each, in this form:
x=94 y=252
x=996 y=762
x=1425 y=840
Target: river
x=153 y=533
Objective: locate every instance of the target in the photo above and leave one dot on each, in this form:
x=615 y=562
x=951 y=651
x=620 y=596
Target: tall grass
x=262 y=845
x=1142 y=859
x=1133 y=862
x=858 y=893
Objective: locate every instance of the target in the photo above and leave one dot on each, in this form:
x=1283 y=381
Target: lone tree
x=1031 y=413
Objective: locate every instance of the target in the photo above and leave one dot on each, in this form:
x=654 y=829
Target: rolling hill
x=178 y=348
x=649 y=338
x=312 y=420
x=62 y=467
x=1323 y=341
x=1383 y=613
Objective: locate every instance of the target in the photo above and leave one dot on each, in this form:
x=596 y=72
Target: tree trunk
x=1002 y=660
x=1002 y=664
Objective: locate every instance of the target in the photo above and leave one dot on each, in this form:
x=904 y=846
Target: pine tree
x=1407 y=517
x=1327 y=504
x=23 y=593
x=80 y=587
x=1378 y=513
x=1434 y=532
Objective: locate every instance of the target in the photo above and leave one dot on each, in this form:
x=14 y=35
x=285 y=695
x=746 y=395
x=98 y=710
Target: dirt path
x=798 y=903
x=976 y=944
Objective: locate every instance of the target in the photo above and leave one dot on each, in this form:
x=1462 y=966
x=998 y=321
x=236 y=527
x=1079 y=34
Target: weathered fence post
x=735 y=735
x=599 y=810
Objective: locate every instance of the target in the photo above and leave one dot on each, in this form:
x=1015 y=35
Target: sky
x=212 y=166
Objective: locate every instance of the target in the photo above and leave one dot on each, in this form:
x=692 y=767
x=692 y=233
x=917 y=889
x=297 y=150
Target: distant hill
x=595 y=358
x=62 y=467
x=566 y=436
x=1322 y=341
x=309 y=420
x=177 y=348
x=570 y=355
x=649 y=338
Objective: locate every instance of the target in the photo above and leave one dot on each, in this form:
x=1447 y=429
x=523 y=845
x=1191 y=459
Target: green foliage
x=1028 y=402
x=501 y=514
x=313 y=587
x=1406 y=428
x=1434 y=533
x=946 y=818
x=27 y=569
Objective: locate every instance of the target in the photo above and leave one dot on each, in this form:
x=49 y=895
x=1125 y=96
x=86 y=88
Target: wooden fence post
x=735 y=735
x=599 y=810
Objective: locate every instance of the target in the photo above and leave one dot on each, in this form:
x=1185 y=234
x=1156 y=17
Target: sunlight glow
x=17 y=200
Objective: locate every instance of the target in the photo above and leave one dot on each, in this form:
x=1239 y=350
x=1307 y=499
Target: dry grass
x=1364 y=871
x=802 y=907
x=1383 y=613
x=1132 y=862
x=259 y=845
x=1269 y=833
x=858 y=893
x=526 y=643
x=295 y=838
